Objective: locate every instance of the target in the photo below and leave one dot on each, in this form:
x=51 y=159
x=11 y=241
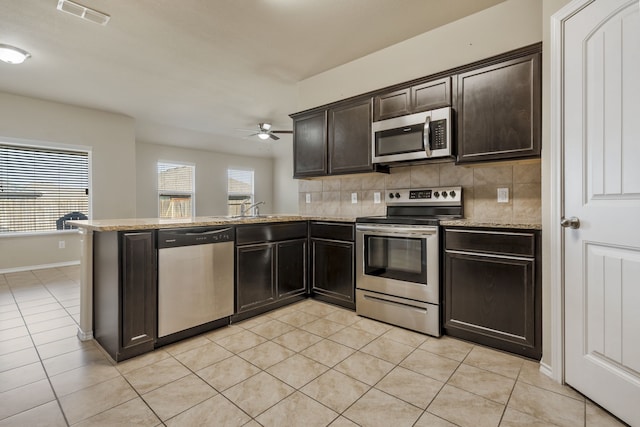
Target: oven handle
x=402 y=231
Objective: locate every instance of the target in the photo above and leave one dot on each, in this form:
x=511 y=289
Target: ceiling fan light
x=265 y=126
x=12 y=54
x=263 y=135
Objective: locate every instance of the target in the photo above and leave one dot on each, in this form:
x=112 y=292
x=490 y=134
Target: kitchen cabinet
x=125 y=292
x=413 y=99
x=350 y=138
x=270 y=266
x=332 y=262
x=492 y=288
x=333 y=140
x=499 y=110
x=310 y=144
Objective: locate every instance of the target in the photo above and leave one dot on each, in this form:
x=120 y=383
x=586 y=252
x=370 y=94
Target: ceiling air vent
x=83 y=12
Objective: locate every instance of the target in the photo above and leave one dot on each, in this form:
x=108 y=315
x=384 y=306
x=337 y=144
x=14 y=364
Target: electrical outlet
x=376 y=197
x=354 y=197
x=503 y=195
x=307 y=198
x=61 y=244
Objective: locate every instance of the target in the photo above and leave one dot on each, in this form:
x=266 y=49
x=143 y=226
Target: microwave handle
x=426 y=136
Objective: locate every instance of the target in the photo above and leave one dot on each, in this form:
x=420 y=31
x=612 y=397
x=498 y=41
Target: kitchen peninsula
x=121 y=262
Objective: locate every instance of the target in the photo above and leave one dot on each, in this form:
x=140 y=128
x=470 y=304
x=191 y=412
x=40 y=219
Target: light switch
x=376 y=197
x=503 y=195
x=307 y=198
x=354 y=197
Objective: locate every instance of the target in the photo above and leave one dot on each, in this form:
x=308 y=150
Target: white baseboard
x=547 y=370
x=39 y=267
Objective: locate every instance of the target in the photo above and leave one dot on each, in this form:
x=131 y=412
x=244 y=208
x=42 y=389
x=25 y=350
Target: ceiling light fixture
x=83 y=12
x=12 y=54
x=263 y=135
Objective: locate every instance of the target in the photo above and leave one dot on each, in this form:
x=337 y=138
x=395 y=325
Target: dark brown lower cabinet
x=492 y=288
x=332 y=263
x=125 y=292
x=270 y=267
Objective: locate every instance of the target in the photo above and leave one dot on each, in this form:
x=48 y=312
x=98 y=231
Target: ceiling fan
x=265 y=132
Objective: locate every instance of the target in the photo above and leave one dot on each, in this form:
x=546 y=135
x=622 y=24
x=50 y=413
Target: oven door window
x=399 y=258
x=407 y=139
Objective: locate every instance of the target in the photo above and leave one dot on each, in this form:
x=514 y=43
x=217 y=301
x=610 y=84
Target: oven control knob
x=452 y=193
x=444 y=194
x=436 y=194
x=391 y=195
x=397 y=195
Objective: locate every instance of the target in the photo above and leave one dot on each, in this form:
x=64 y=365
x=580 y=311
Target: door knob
x=572 y=222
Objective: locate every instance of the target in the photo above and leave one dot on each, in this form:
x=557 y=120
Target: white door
x=601 y=117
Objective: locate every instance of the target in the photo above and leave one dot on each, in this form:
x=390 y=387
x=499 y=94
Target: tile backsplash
x=332 y=196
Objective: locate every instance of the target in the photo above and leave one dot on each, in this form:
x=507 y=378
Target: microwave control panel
x=438 y=134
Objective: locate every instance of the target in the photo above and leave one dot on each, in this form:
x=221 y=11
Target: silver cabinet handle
x=572 y=222
x=426 y=137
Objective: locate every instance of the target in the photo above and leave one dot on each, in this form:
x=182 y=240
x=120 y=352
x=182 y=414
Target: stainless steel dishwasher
x=195 y=277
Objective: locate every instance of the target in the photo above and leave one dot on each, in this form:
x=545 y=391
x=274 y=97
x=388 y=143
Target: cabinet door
x=332 y=269
x=350 y=138
x=431 y=95
x=499 y=109
x=138 y=287
x=292 y=272
x=310 y=144
x=492 y=300
x=255 y=284
x=392 y=104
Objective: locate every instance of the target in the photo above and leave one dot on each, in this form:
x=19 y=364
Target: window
x=239 y=189
x=41 y=188
x=175 y=190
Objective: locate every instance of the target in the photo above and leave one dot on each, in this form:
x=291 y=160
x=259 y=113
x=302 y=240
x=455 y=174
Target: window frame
x=191 y=194
x=251 y=195
x=53 y=146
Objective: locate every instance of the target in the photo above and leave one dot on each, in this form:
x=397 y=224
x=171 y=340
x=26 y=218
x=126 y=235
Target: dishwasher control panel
x=175 y=237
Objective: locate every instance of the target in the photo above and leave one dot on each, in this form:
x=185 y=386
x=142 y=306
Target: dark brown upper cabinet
x=498 y=110
x=420 y=97
x=350 y=137
x=334 y=140
x=310 y=144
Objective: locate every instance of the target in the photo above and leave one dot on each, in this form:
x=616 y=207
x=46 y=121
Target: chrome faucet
x=244 y=210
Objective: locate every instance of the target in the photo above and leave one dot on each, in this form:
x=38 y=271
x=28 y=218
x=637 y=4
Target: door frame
x=556 y=151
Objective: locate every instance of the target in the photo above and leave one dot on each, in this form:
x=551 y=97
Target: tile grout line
x=35 y=347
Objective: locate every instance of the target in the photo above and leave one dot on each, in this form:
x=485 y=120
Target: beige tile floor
x=308 y=364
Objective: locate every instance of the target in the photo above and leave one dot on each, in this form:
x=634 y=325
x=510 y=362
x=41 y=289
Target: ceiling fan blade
x=281 y=131
x=272 y=136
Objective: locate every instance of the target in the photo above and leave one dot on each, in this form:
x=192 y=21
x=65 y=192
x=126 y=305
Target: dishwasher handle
x=205 y=233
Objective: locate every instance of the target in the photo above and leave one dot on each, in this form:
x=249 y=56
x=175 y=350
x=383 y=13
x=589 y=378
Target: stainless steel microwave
x=414 y=137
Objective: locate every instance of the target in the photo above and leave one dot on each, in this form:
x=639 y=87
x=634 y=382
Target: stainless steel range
x=398 y=258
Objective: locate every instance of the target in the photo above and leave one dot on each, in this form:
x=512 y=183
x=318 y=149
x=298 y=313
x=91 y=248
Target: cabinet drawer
x=493 y=242
x=333 y=231
x=258 y=233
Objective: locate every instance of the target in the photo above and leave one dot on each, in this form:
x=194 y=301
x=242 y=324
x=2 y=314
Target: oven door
x=398 y=260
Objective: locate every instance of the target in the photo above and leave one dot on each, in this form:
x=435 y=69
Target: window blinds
x=40 y=188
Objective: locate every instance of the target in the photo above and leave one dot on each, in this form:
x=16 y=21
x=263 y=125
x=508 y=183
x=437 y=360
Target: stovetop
x=420 y=206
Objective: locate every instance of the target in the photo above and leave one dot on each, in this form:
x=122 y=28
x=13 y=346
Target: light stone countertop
x=477 y=223
x=127 y=224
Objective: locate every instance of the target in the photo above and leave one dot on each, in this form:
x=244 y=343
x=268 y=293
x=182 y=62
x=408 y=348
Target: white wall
x=112 y=143
x=211 y=178
x=285 y=188
x=509 y=25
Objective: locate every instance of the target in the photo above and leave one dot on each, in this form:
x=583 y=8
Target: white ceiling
x=193 y=72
